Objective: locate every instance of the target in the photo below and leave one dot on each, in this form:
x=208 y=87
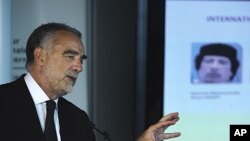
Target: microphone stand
x=103 y=133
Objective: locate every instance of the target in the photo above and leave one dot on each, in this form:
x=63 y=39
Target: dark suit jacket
x=19 y=120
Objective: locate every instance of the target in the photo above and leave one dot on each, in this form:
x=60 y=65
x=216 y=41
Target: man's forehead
x=65 y=36
x=215 y=57
x=69 y=42
x=72 y=51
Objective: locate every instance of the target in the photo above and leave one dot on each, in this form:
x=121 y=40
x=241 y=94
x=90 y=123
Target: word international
x=239 y=132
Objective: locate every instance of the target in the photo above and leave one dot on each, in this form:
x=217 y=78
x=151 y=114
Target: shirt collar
x=36 y=91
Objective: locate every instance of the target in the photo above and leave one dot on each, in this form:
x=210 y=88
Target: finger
x=169 y=135
x=170 y=116
x=162 y=124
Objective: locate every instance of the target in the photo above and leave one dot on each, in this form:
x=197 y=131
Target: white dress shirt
x=40 y=98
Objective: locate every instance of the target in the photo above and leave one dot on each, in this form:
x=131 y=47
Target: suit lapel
x=64 y=118
x=27 y=111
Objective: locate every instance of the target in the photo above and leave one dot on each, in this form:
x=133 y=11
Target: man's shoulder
x=11 y=85
x=69 y=106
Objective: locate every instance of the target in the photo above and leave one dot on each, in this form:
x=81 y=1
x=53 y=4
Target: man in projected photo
x=216 y=63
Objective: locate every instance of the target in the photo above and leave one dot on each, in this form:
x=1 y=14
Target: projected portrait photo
x=216 y=63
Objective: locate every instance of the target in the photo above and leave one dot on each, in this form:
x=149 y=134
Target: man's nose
x=77 y=66
x=215 y=66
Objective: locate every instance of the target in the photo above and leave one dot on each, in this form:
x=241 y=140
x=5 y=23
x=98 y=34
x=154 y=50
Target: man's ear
x=40 y=55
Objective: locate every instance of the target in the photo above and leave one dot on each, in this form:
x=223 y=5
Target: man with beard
x=32 y=107
x=216 y=63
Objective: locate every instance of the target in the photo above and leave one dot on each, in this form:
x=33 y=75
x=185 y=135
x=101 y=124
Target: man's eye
x=223 y=62
x=208 y=60
x=70 y=57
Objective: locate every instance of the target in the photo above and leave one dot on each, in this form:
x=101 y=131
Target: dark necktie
x=50 y=130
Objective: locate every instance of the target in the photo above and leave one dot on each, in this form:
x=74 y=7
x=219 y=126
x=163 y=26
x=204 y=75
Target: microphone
x=103 y=133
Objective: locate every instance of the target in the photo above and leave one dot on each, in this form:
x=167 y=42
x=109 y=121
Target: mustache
x=213 y=75
x=72 y=75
